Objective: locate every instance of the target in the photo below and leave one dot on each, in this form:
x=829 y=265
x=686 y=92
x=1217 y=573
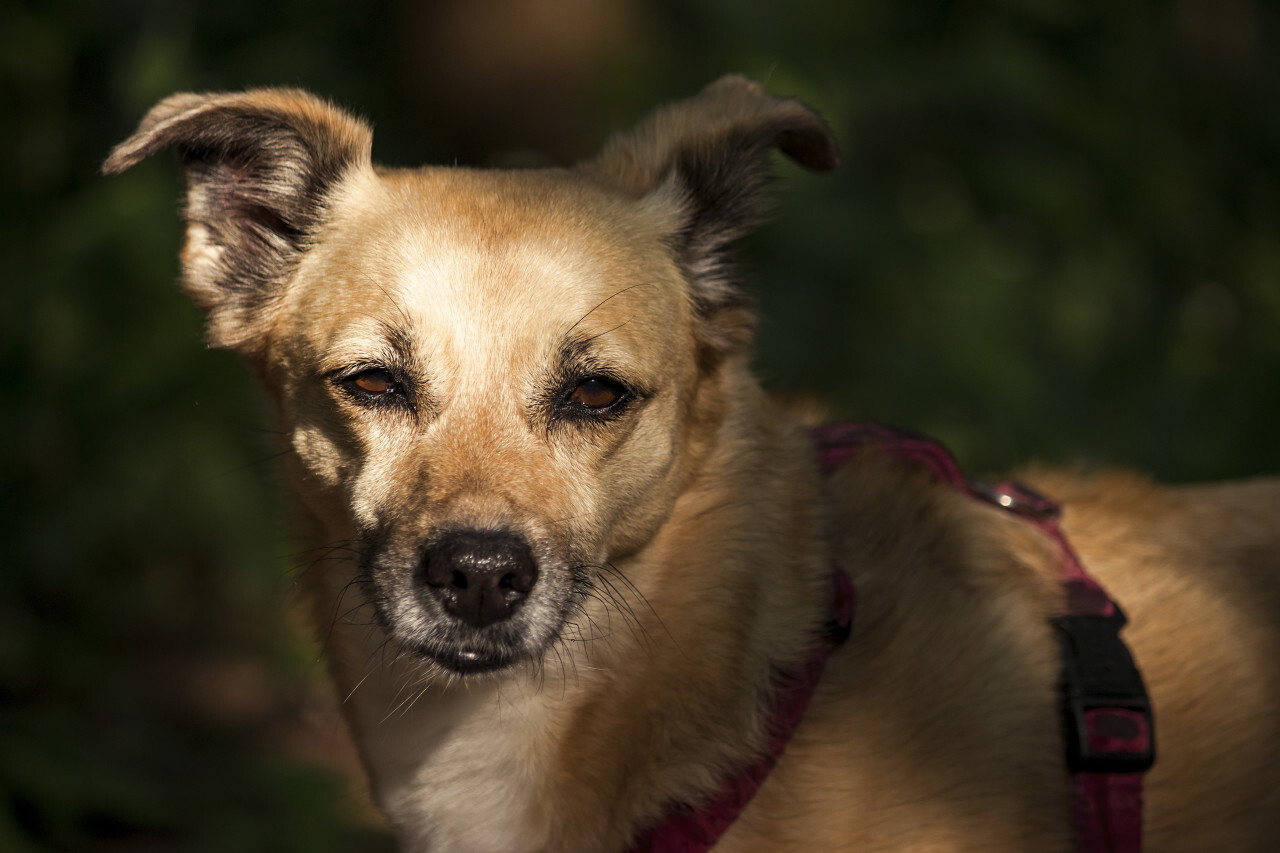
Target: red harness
x=1107 y=720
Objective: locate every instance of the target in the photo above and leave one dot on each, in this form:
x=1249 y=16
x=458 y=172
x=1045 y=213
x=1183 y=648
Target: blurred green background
x=1054 y=236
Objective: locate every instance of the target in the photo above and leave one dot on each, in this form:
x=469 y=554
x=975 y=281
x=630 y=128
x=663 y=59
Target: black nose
x=479 y=576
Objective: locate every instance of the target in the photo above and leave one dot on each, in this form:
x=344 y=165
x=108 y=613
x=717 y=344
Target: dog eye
x=596 y=393
x=373 y=383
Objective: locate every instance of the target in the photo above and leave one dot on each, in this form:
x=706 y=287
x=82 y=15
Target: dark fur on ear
x=259 y=166
x=709 y=156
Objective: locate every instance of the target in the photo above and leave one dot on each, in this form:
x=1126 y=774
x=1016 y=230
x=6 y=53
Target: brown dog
x=574 y=539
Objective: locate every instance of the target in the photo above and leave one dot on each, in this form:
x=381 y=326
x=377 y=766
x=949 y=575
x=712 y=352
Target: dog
x=569 y=543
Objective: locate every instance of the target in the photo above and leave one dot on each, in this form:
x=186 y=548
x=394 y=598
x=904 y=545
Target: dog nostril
x=520 y=583
x=480 y=577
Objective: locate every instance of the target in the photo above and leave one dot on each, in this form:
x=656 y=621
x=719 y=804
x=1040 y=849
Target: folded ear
x=260 y=166
x=708 y=158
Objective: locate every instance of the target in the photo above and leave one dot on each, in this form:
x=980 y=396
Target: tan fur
x=684 y=544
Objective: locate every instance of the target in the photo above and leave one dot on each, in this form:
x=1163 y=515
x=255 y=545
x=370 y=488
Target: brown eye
x=596 y=393
x=373 y=383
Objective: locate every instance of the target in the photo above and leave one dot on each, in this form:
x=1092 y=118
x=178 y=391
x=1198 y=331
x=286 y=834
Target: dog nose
x=479 y=576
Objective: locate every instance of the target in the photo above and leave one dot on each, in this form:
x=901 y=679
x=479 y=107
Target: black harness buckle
x=1107 y=712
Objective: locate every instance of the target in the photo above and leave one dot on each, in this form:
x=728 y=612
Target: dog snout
x=479 y=576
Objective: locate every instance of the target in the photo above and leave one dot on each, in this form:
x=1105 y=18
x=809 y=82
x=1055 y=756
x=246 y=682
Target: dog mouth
x=472 y=602
x=469 y=659
x=458 y=649
x=474 y=660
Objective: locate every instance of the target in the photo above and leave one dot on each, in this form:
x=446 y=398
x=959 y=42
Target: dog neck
x=658 y=703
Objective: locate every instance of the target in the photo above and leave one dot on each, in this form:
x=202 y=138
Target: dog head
x=493 y=383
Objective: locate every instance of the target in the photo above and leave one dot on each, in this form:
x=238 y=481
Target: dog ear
x=259 y=169
x=708 y=157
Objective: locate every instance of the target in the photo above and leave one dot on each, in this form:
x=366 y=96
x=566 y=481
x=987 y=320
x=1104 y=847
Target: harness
x=1107 y=720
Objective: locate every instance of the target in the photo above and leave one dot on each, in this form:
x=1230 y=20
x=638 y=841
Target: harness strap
x=1106 y=714
x=1107 y=718
x=686 y=830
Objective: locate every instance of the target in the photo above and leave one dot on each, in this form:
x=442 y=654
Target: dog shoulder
x=951 y=665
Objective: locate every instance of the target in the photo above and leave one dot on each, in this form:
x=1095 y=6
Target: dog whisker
x=603 y=301
x=325 y=548
x=305 y=561
x=644 y=599
x=621 y=602
x=257 y=462
x=624 y=608
x=606 y=331
x=369 y=670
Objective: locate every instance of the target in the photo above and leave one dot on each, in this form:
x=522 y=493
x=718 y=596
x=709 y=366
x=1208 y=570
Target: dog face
x=493 y=384
x=466 y=370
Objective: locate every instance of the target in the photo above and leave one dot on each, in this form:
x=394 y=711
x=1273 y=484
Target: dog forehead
x=504 y=260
